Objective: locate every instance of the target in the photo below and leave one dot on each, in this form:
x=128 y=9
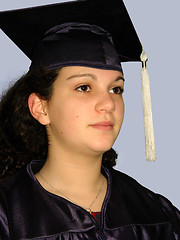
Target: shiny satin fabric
x=130 y=211
x=76 y=44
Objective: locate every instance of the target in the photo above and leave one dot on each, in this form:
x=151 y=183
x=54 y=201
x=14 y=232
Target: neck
x=68 y=170
x=76 y=177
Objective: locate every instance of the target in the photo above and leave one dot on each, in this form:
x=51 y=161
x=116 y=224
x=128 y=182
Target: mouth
x=105 y=126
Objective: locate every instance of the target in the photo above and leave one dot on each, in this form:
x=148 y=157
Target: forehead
x=94 y=73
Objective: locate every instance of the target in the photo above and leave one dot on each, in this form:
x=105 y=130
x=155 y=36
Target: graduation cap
x=85 y=33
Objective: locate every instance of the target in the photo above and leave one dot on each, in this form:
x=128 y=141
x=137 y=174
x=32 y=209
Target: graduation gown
x=129 y=211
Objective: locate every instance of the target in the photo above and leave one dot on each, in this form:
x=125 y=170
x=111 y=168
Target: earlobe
x=37 y=109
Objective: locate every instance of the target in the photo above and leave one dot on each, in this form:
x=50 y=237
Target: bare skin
x=83 y=119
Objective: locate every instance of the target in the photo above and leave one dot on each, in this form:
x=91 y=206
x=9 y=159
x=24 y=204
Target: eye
x=117 y=90
x=83 y=88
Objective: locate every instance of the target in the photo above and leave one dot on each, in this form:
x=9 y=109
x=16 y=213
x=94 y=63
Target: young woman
x=66 y=113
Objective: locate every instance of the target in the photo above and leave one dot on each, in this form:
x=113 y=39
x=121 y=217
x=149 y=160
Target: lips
x=105 y=126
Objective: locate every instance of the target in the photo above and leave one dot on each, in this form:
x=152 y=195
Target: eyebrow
x=119 y=78
x=81 y=75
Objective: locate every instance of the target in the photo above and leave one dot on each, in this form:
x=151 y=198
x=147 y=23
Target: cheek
x=120 y=109
x=72 y=113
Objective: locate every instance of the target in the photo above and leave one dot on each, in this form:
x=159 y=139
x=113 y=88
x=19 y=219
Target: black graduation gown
x=129 y=212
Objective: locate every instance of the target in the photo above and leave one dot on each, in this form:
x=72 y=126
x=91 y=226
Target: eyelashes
x=117 y=90
x=83 y=88
x=86 y=88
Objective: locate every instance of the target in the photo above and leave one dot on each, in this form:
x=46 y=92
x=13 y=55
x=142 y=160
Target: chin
x=101 y=147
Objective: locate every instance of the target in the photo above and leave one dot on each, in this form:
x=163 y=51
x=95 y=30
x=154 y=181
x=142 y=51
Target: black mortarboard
x=26 y=27
x=84 y=39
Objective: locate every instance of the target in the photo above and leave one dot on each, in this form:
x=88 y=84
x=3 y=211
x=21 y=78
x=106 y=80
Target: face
x=86 y=109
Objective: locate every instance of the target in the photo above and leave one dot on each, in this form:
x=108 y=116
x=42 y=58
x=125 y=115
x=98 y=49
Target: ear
x=37 y=109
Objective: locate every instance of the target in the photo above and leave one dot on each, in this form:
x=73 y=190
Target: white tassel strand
x=147 y=111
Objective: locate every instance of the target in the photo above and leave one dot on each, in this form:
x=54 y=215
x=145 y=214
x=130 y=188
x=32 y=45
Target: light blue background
x=157 y=24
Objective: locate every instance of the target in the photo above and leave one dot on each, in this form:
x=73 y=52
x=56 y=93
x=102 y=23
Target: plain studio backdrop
x=157 y=24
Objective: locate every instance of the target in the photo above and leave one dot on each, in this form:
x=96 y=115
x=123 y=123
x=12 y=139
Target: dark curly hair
x=22 y=138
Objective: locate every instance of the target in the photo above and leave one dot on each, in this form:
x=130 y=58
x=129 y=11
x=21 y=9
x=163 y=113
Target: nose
x=105 y=103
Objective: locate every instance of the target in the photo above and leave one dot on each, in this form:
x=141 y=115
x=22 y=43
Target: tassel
x=147 y=111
